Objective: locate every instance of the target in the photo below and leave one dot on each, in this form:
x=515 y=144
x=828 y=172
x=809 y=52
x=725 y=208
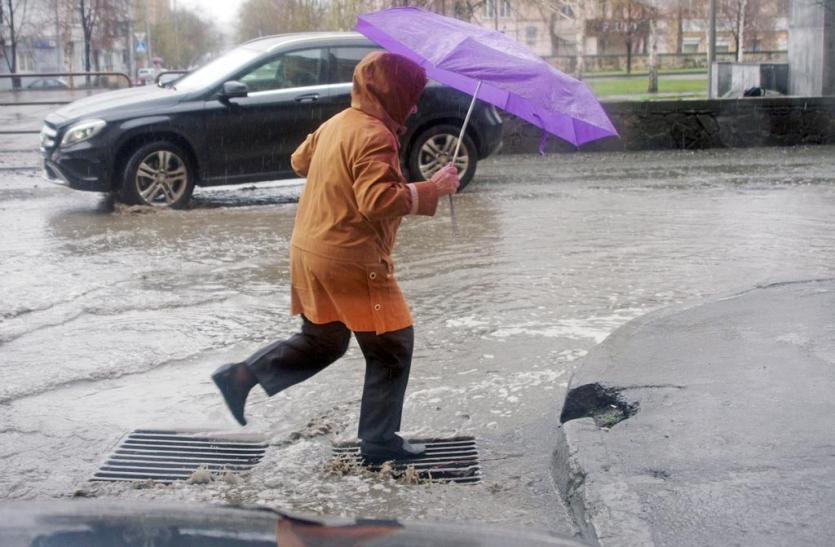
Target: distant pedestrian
x=341 y=273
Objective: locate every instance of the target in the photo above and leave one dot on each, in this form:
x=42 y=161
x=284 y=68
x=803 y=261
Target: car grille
x=49 y=138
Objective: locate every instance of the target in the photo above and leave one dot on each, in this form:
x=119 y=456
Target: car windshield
x=215 y=71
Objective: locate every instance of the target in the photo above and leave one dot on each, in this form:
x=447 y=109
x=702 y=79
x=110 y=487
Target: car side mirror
x=234 y=90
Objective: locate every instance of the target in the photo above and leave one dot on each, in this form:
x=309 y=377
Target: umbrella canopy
x=504 y=72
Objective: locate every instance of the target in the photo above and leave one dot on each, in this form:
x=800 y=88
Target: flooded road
x=112 y=320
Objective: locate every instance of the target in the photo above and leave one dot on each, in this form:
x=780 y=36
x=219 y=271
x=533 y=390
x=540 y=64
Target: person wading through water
x=341 y=271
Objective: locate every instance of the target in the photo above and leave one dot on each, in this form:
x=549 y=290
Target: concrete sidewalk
x=713 y=425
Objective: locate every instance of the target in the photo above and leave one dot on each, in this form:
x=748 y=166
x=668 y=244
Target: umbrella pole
x=455 y=155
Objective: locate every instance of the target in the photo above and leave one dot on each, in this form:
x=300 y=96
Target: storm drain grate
x=169 y=456
x=445 y=460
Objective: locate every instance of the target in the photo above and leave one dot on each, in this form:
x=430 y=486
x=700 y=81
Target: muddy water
x=112 y=320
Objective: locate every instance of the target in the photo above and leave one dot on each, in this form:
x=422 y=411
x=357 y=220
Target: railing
x=166 y=73
x=71 y=75
x=666 y=61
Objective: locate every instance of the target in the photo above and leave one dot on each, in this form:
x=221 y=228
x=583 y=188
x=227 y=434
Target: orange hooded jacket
x=354 y=199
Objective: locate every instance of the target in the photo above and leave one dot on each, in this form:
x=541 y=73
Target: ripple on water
x=553 y=254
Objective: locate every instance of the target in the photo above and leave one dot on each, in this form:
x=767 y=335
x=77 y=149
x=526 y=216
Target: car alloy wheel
x=437 y=152
x=434 y=148
x=161 y=178
x=159 y=174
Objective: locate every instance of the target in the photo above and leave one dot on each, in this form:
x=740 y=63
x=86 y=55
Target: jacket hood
x=387 y=86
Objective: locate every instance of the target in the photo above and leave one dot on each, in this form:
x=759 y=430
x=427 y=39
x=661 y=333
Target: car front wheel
x=434 y=148
x=158 y=174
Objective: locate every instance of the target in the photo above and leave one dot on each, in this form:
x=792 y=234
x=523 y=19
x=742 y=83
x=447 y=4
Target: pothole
x=605 y=405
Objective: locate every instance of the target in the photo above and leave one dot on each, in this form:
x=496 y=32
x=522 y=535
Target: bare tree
x=551 y=12
x=733 y=14
x=342 y=14
x=183 y=45
x=12 y=17
x=66 y=16
x=652 y=86
x=265 y=17
x=677 y=11
x=749 y=20
x=101 y=22
x=631 y=20
x=89 y=12
x=577 y=11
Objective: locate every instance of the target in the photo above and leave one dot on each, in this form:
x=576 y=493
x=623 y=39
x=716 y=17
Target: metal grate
x=168 y=456
x=445 y=460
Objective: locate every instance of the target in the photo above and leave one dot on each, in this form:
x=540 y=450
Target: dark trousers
x=388 y=358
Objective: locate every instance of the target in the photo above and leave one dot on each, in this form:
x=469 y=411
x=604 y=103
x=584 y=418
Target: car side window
x=343 y=60
x=295 y=69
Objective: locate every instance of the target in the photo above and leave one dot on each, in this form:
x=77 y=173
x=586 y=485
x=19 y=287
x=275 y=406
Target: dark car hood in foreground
x=101 y=104
x=103 y=523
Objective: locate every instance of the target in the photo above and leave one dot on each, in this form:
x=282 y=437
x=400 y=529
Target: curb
x=598 y=512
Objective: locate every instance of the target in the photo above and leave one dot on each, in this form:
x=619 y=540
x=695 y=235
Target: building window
x=783 y=42
x=690 y=45
x=530 y=35
x=25 y=61
x=490 y=8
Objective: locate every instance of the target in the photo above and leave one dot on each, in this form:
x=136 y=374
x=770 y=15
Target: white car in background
x=145 y=76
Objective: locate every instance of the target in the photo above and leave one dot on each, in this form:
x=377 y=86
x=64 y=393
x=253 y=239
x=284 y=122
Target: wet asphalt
x=112 y=318
x=730 y=435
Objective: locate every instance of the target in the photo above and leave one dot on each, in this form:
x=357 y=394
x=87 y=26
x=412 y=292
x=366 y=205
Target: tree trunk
x=680 y=29
x=629 y=55
x=652 y=87
x=580 y=65
x=87 y=53
x=552 y=33
x=86 y=30
x=740 y=42
x=16 y=84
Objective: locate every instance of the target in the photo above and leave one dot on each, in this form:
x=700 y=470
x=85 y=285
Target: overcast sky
x=222 y=12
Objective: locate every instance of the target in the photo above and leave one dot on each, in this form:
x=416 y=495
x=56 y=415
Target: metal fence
x=666 y=61
x=90 y=81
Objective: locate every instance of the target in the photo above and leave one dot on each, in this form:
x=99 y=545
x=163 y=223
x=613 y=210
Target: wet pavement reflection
x=112 y=318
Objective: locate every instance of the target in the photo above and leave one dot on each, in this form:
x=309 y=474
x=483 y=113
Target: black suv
x=238 y=119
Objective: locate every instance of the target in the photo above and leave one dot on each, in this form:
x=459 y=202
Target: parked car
x=238 y=119
x=47 y=83
x=145 y=76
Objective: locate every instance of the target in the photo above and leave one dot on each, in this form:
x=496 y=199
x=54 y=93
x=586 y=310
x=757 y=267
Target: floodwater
x=112 y=320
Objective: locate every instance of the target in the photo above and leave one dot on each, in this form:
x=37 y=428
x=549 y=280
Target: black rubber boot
x=235 y=381
x=397 y=449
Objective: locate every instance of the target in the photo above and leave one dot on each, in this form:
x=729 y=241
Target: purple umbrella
x=492 y=67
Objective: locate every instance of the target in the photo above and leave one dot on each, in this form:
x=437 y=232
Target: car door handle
x=308 y=98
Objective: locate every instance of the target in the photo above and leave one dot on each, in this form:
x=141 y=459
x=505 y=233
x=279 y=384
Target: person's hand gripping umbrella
x=494 y=68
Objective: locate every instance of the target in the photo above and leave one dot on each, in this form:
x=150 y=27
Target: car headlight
x=82 y=131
